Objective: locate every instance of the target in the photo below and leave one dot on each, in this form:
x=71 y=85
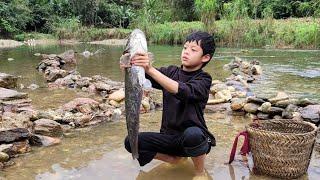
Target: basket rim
x=315 y=128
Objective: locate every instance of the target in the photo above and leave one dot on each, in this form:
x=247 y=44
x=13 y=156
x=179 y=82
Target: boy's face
x=192 y=56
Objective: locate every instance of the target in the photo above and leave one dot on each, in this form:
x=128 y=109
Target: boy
x=185 y=90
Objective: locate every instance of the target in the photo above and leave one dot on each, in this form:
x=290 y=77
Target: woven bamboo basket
x=281 y=148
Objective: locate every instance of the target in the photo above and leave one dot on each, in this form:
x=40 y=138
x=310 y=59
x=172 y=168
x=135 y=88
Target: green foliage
x=183 y=10
x=113 y=15
x=152 y=12
x=207 y=10
x=14 y=15
x=172 y=32
x=258 y=33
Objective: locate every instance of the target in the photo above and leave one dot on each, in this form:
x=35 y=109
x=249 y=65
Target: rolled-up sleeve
x=196 y=89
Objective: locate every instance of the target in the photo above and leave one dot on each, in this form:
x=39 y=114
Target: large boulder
x=74 y=104
x=8 y=81
x=48 y=127
x=11 y=135
x=117 y=95
x=39 y=140
x=224 y=94
x=237 y=104
x=251 y=108
x=311 y=113
x=52 y=74
x=8 y=94
x=68 y=57
x=13 y=120
x=217 y=108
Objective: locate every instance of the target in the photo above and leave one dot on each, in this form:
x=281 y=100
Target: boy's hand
x=142 y=59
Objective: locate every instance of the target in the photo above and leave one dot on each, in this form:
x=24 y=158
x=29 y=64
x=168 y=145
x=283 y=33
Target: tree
x=208 y=10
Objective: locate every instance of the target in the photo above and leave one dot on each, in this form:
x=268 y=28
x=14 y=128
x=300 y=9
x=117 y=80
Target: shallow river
x=98 y=153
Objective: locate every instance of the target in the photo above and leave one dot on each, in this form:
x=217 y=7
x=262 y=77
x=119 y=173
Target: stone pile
x=235 y=96
x=249 y=71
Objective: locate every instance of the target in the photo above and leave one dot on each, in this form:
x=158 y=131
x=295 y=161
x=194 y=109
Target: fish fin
x=147 y=84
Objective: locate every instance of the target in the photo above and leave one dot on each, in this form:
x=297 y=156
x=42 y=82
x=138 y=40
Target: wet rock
x=85 y=109
x=280 y=97
x=92 y=89
x=4 y=157
x=263 y=116
x=216 y=101
x=8 y=94
x=52 y=74
x=304 y=102
x=48 y=127
x=117 y=95
x=265 y=107
x=13 y=120
x=256 y=70
x=72 y=105
x=224 y=94
x=237 y=104
x=5 y=147
x=251 y=108
x=285 y=103
x=49 y=114
x=231 y=89
x=218 y=87
x=66 y=128
x=83 y=82
x=288 y=112
x=8 y=81
x=114 y=103
x=19 y=148
x=217 y=108
x=275 y=111
x=101 y=86
x=11 y=135
x=39 y=140
x=255 y=100
x=81 y=120
x=37 y=54
x=68 y=57
x=105 y=107
x=311 y=113
x=65 y=82
x=10 y=59
x=18 y=102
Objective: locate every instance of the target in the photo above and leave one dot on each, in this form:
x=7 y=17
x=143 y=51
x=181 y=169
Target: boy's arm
x=167 y=83
x=142 y=59
x=196 y=89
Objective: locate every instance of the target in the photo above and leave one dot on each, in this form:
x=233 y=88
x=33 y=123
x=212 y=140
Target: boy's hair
x=205 y=41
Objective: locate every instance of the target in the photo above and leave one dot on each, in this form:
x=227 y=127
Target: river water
x=98 y=153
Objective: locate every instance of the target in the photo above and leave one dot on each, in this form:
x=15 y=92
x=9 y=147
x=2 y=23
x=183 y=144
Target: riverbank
x=302 y=33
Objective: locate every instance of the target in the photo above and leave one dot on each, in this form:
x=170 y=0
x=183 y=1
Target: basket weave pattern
x=282 y=148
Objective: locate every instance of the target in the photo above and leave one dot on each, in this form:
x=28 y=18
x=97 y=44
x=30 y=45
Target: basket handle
x=245 y=149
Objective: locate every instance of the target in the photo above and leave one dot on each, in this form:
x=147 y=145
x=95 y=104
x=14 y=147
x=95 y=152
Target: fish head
x=136 y=43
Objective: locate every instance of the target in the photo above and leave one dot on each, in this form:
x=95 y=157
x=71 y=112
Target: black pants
x=191 y=143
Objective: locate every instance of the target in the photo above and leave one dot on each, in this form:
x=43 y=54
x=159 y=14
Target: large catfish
x=135 y=81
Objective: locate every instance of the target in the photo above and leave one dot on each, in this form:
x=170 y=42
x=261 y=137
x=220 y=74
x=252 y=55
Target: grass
x=289 y=33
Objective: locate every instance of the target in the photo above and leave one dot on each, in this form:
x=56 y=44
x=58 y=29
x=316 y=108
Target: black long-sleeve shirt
x=185 y=108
